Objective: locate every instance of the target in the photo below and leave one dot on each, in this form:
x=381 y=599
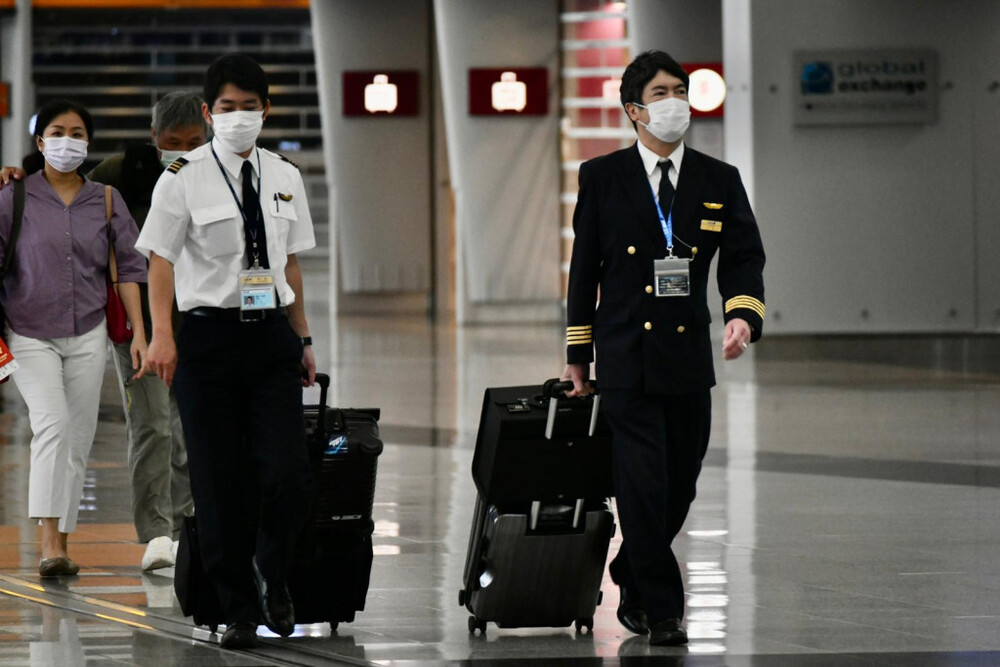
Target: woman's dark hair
x=49 y=112
x=238 y=69
x=642 y=70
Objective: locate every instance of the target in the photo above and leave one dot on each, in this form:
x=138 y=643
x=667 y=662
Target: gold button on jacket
x=680 y=329
x=648 y=325
x=649 y=289
x=631 y=250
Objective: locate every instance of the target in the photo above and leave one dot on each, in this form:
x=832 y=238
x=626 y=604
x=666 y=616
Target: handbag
x=7 y=363
x=119 y=329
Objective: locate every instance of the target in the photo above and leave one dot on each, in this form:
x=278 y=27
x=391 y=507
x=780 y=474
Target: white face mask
x=65 y=154
x=167 y=157
x=669 y=118
x=237 y=130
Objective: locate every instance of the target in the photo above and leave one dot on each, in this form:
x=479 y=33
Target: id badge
x=672 y=276
x=257 y=290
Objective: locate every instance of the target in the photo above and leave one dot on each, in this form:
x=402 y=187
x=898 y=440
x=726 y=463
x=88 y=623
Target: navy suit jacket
x=659 y=345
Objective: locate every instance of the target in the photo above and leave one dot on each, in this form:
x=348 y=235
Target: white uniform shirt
x=195 y=224
x=650 y=160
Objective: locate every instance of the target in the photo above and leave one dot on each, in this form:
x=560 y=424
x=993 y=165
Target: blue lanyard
x=246 y=221
x=232 y=190
x=666 y=222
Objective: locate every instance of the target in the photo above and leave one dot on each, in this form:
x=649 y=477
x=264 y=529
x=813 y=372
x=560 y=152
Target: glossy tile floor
x=848 y=514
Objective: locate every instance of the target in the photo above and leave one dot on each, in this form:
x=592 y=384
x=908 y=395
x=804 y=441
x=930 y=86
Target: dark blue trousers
x=239 y=393
x=659 y=443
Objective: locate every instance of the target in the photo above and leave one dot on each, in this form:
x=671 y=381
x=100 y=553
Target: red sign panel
x=4 y=99
x=509 y=91
x=706 y=92
x=382 y=93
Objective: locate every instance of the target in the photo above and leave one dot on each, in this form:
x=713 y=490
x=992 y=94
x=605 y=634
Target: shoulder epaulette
x=176 y=165
x=287 y=160
x=279 y=156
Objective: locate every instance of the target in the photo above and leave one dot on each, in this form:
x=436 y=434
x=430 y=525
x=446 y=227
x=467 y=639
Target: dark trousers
x=659 y=443
x=239 y=393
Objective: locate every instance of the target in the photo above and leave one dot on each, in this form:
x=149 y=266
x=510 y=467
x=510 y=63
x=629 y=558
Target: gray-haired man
x=161 y=490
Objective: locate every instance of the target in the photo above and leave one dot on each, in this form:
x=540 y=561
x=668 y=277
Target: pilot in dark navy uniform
x=223 y=229
x=648 y=221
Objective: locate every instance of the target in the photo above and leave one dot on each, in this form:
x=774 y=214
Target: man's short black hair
x=642 y=70
x=238 y=69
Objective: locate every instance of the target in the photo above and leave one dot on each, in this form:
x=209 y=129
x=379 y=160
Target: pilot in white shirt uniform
x=225 y=223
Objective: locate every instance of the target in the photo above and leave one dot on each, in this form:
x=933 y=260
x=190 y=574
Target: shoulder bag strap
x=8 y=255
x=112 y=263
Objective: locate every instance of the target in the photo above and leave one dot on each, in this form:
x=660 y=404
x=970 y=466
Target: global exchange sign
x=865 y=87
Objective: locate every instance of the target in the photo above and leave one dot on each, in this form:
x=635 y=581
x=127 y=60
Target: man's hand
x=161 y=358
x=308 y=367
x=8 y=173
x=578 y=373
x=139 y=351
x=736 y=340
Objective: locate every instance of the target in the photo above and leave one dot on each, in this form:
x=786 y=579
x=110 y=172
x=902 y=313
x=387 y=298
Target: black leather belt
x=235 y=314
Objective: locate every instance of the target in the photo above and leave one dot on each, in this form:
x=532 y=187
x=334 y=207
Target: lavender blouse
x=56 y=286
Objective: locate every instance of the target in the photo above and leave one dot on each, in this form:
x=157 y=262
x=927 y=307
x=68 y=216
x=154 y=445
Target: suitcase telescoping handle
x=323 y=380
x=553 y=389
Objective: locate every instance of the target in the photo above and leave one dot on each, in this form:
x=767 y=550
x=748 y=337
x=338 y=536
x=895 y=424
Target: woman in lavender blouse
x=55 y=294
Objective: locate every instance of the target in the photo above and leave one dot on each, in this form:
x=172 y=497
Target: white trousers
x=60 y=380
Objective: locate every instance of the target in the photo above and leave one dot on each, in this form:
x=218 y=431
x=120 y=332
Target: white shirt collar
x=233 y=162
x=651 y=159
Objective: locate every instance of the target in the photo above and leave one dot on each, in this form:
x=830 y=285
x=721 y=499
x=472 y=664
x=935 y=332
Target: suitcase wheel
x=587 y=623
x=334 y=625
x=461 y=598
x=476 y=624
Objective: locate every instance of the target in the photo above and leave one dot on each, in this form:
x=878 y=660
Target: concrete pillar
x=15 y=68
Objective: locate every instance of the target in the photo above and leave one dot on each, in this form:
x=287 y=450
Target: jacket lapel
x=686 y=201
x=635 y=183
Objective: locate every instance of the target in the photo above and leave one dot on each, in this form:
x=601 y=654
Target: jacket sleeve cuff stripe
x=747 y=302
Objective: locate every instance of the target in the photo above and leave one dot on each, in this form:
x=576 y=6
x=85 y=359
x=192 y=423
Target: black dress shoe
x=668 y=633
x=630 y=612
x=275 y=605
x=242 y=634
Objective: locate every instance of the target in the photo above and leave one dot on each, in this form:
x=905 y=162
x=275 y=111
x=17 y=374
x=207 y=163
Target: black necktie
x=253 y=221
x=666 y=193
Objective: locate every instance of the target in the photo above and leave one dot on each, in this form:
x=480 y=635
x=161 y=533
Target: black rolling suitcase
x=331 y=567
x=541 y=526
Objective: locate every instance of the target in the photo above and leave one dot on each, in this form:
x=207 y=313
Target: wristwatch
x=307 y=340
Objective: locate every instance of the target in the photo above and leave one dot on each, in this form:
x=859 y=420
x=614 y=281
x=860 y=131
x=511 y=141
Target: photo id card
x=672 y=276
x=257 y=290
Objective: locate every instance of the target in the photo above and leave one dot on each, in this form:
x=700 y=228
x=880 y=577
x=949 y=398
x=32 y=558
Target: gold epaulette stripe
x=579 y=335
x=287 y=160
x=585 y=327
x=748 y=302
x=176 y=165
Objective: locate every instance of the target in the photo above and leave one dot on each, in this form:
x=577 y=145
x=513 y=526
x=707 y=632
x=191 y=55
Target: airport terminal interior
x=848 y=507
